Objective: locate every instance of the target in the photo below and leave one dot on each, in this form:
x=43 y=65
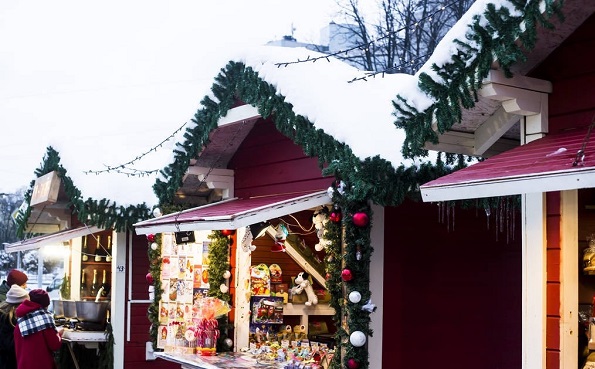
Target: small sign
x=184 y=237
x=45 y=190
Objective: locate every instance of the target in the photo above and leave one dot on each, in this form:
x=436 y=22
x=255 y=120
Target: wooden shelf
x=302 y=309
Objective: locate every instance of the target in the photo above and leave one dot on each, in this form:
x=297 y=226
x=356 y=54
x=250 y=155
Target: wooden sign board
x=45 y=190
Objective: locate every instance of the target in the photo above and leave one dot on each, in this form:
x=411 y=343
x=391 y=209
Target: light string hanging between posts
x=367 y=45
x=132 y=171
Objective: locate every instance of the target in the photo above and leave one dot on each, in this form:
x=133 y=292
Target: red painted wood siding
x=269 y=163
x=571 y=105
x=452 y=298
x=571 y=70
x=134 y=350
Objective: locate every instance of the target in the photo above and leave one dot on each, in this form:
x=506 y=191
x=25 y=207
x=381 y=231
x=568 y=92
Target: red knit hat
x=16 y=277
x=40 y=296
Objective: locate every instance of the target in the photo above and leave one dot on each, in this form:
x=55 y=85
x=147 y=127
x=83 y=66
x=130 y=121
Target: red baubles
x=149 y=277
x=352 y=364
x=346 y=275
x=335 y=217
x=361 y=219
x=227 y=232
x=151 y=237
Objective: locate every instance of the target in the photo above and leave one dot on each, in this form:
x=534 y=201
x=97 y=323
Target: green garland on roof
x=372 y=179
x=102 y=213
x=491 y=36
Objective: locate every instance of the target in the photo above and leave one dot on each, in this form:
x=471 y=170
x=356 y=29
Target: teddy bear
x=302 y=282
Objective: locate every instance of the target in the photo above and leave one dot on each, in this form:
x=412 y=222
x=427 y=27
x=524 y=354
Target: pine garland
x=155 y=271
x=218 y=265
x=492 y=35
x=101 y=213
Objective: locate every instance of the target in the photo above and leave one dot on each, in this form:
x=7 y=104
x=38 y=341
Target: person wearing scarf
x=35 y=335
x=8 y=320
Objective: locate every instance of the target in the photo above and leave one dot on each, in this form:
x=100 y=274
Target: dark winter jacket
x=8 y=359
x=36 y=350
x=3 y=289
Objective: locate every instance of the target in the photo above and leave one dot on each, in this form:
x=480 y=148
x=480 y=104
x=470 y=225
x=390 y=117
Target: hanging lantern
x=227 y=232
x=360 y=219
x=346 y=275
x=151 y=237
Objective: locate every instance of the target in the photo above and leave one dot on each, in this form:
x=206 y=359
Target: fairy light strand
x=367 y=45
x=129 y=171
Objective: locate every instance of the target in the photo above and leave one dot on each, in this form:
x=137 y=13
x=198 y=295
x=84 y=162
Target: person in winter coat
x=8 y=321
x=14 y=277
x=36 y=336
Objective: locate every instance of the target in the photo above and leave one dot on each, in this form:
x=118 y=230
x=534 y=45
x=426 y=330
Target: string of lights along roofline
x=129 y=171
x=365 y=46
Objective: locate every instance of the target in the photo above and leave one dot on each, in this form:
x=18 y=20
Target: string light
x=129 y=171
x=367 y=45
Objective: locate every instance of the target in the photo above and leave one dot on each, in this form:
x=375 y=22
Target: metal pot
x=58 y=307
x=69 y=309
x=91 y=311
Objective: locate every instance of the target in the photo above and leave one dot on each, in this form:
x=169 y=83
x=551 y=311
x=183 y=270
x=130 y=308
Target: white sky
x=105 y=83
x=74 y=68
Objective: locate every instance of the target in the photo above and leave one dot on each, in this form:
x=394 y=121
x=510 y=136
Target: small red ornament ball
x=335 y=217
x=346 y=275
x=352 y=364
x=149 y=277
x=328 y=276
x=151 y=237
x=361 y=219
x=227 y=232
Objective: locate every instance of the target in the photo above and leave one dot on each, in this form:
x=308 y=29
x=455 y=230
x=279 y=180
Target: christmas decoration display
x=303 y=283
x=352 y=364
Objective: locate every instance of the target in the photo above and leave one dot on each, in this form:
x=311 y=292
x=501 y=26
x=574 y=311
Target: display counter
x=227 y=360
x=90 y=339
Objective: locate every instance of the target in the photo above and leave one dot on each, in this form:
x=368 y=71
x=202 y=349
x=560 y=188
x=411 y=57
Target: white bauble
x=357 y=338
x=318 y=247
x=223 y=288
x=228 y=342
x=355 y=297
x=227 y=274
x=157 y=212
x=154 y=246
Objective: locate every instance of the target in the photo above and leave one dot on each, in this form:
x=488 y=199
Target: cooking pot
x=91 y=311
x=58 y=307
x=69 y=308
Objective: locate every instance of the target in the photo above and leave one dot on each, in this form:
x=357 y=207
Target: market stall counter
x=227 y=360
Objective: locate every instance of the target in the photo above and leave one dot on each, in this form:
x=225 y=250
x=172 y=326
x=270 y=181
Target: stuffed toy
x=302 y=282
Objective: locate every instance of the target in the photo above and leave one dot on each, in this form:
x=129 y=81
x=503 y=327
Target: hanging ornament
x=352 y=364
x=227 y=232
x=228 y=343
x=154 y=246
x=157 y=212
x=355 y=297
x=329 y=259
x=327 y=276
x=149 y=278
x=223 y=288
x=358 y=254
x=151 y=237
x=369 y=307
x=335 y=217
x=357 y=338
x=227 y=274
x=346 y=275
x=360 y=219
x=318 y=247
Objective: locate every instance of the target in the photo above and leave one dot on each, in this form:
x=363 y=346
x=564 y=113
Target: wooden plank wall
x=269 y=163
x=452 y=290
x=571 y=105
